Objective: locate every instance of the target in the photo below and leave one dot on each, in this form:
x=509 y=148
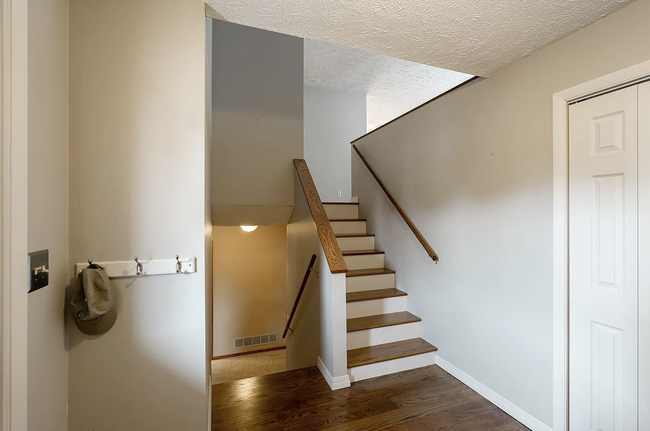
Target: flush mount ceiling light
x=248 y=228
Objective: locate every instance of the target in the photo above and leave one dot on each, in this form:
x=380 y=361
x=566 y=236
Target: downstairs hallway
x=423 y=399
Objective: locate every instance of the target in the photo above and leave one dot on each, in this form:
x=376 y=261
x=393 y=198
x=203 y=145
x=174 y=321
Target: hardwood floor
x=423 y=399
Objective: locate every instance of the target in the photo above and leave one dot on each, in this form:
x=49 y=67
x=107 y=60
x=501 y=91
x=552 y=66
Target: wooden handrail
x=399 y=209
x=323 y=227
x=302 y=288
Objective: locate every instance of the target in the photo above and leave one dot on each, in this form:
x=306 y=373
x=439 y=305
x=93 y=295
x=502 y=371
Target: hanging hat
x=92 y=303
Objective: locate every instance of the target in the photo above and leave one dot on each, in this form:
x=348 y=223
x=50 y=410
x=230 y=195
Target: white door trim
x=561 y=231
x=13 y=216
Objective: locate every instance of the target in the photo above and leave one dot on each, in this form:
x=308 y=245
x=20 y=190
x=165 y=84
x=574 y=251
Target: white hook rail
x=129 y=268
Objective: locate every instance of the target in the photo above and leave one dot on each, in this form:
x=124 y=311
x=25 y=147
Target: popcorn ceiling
x=393 y=86
x=477 y=37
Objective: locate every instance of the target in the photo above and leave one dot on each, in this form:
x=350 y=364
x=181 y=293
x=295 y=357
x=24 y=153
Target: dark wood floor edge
x=232 y=355
x=340 y=203
x=395 y=293
x=462 y=84
x=363 y=274
x=362 y=252
x=385 y=325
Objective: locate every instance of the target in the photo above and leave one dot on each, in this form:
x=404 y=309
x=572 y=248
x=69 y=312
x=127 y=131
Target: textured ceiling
x=393 y=86
x=478 y=37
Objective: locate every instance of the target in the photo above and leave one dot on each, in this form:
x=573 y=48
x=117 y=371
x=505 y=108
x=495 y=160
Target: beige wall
x=249 y=287
x=474 y=172
x=48 y=211
x=257 y=121
x=137 y=161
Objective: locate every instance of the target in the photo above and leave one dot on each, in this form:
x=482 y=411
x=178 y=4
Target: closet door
x=603 y=279
x=644 y=256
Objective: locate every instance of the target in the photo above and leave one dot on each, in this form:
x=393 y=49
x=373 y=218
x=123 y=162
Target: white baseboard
x=335 y=383
x=498 y=400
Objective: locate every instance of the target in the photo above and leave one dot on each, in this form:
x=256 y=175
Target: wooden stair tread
x=340 y=203
x=361 y=252
x=353 y=235
x=389 y=351
x=368 y=271
x=367 y=295
x=381 y=320
x=347 y=219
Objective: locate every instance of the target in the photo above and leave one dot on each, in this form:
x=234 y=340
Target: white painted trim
x=385 y=368
x=498 y=400
x=13 y=217
x=335 y=383
x=560 y=228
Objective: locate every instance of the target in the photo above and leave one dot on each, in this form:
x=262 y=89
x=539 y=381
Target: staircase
x=382 y=336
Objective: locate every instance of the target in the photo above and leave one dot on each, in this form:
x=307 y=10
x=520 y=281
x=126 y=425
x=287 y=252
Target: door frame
x=13 y=215
x=561 y=227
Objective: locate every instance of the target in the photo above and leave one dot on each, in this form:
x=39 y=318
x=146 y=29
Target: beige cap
x=92 y=304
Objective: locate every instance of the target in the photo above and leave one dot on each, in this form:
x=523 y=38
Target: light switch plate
x=38 y=264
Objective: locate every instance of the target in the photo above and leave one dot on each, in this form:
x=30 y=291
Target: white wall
x=48 y=212
x=257 y=121
x=333 y=335
x=137 y=169
x=474 y=172
x=332 y=119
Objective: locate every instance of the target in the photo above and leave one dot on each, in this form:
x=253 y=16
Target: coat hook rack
x=142 y=268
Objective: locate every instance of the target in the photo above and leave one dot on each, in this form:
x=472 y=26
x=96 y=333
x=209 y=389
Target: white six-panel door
x=603 y=280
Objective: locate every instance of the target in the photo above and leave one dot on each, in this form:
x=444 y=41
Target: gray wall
x=257 y=123
x=137 y=169
x=48 y=212
x=474 y=172
x=332 y=120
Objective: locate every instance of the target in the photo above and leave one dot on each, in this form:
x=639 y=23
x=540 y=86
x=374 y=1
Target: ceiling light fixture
x=248 y=228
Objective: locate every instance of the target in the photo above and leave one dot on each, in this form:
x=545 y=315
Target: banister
x=399 y=209
x=328 y=241
x=302 y=288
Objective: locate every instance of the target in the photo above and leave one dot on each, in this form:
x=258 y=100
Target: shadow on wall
x=249 y=286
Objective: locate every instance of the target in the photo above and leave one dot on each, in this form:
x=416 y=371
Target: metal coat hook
x=179 y=265
x=138 y=268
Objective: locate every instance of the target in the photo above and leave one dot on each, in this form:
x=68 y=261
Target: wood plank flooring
x=418 y=400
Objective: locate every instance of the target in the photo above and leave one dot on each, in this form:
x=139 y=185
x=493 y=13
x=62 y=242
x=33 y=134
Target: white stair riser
x=356 y=243
x=375 y=306
x=348 y=226
x=389 y=367
x=364 y=261
x=369 y=282
x=386 y=334
x=342 y=211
